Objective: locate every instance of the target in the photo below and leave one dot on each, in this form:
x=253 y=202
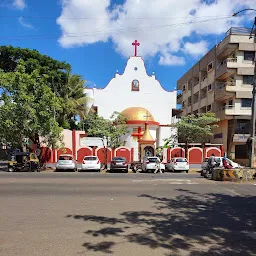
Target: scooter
x=209 y=169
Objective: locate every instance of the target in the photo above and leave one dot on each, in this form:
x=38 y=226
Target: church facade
x=149 y=110
x=143 y=101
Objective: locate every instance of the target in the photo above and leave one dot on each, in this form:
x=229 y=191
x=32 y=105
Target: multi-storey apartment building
x=221 y=82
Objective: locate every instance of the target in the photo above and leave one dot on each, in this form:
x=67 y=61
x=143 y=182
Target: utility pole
x=253 y=107
x=253 y=120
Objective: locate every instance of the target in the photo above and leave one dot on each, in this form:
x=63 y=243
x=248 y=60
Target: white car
x=66 y=162
x=149 y=164
x=219 y=160
x=178 y=164
x=91 y=163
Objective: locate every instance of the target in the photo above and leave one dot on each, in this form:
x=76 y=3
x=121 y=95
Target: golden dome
x=138 y=114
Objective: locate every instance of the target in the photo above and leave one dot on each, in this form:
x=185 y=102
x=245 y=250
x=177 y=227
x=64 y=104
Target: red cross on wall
x=139 y=134
x=135 y=44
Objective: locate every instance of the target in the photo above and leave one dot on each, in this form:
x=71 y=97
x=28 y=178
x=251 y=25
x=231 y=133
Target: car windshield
x=119 y=159
x=90 y=158
x=65 y=158
x=152 y=159
x=181 y=160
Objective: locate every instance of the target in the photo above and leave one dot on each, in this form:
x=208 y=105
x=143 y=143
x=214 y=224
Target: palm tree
x=73 y=100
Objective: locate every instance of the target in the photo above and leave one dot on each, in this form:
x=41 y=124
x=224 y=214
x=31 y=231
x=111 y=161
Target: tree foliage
x=73 y=101
x=27 y=108
x=195 y=128
x=113 y=129
x=10 y=57
x=68 y=88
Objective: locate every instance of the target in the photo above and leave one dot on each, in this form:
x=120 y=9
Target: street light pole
x=252 y=153
x=105 y=145
x=253 y=106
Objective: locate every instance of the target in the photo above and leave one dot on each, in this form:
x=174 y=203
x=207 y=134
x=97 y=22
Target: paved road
x=125 y=214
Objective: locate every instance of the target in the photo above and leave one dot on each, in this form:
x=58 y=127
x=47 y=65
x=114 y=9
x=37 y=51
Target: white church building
x=143 y=101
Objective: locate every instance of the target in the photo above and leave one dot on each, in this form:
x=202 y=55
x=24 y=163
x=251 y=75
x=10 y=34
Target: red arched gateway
x=62 y=151
x=195 y=155
x=82 y=152
x=177 y=152
x=210 y=151
x=123 y=152
x=100 y=153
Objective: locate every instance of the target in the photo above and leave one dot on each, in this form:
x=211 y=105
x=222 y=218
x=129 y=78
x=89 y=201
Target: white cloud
x=171 y=60
x=84 y=31
x=19 y=4
x=24 y=23
x=196 y=49
x=160 y=26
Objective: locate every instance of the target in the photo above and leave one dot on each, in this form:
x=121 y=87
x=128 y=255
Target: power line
x=111 y=31
x=99 y=18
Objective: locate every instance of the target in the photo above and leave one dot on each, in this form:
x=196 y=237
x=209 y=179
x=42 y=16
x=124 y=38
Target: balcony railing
x=247 y=85
x=233 y=60
x=248 y=62
x=220 y=86
x=229 y=107
x=238 y=31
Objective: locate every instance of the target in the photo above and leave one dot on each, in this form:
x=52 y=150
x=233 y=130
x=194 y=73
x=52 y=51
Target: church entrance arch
x=148 y=151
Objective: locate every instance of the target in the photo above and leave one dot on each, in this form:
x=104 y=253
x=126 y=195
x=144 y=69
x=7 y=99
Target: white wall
x=117 y=95
x=166 y=132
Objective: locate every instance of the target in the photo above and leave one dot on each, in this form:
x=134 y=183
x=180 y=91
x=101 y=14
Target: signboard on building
x=91 y=142
x=241 y=138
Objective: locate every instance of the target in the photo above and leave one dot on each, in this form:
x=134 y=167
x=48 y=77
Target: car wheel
x=187 y=171
x=162 y=170
x=56 y=170
x=126 y=171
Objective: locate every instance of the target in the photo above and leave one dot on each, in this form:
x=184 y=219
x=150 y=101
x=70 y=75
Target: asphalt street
x=125 y=214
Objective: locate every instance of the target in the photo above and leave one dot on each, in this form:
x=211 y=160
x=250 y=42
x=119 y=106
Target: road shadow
x=189 y=223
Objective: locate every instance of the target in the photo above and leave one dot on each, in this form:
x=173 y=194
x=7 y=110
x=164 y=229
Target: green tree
x=194 y=129
x=27 y=108
x=113 y=129
x=10 y=57
x=68 y=88
x=73 y=101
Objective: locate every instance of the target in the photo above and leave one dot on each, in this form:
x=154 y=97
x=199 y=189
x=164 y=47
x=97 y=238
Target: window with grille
x=210 y=67
x=246 y=103
x=248 y=55
x=248 y=79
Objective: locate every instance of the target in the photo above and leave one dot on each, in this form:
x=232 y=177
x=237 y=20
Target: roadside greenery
x=27 y=107
x=112 y=129
x=67 y=87
x=39 y=96
x=194 y=129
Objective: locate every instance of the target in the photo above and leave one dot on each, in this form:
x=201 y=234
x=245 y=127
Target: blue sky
x=95 y=36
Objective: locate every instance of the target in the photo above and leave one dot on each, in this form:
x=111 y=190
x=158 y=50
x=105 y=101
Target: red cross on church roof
x=135 y=44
